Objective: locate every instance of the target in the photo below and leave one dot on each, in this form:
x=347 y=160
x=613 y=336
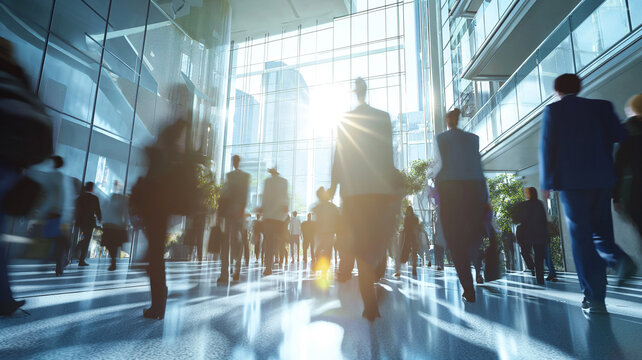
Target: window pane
x=79 y=26
x=559 y=61
x=61 y=70
x=596 y=34
x=376 y=25
x=528 y=93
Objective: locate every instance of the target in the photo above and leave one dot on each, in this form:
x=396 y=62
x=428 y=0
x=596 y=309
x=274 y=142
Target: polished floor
x=91 y=313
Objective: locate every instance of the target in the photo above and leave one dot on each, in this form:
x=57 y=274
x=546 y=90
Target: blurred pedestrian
x=26 y=138
x=115 y=224
x=87 y=215
x=370 y=188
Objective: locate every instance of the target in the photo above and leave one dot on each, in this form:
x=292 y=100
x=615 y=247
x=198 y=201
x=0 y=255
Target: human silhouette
x=274 y=210
x=170 y=187
x=295 y=236
x=234 y=196
x=576 y=159
x=508 y=241
x=257 y=236
x=531 y=215
x=26 y=139
x=115 y=223
x=628 y=167
x=410 y=234
x=463 y=197
x=370 y=187
x=308 y=231
x=87 y=215
x=52 y=214
x=326 y=217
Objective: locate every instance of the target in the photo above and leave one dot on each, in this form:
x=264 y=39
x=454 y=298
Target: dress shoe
x=479 y=279
x=82 y=263
x=552 y=278
x=10 y=307
x=589 y=307
x=152 y=313
x=625 y=269
x=439 y=268
x=468 y=296
x=371 y=315
x=397 y=274
x=112 y=267
x=585 y=303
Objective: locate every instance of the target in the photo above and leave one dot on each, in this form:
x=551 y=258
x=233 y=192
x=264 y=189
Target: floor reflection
x=295 y=315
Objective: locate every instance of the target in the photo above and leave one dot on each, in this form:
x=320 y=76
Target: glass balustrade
x=591 y=29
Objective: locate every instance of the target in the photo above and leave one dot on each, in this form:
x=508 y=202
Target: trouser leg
x=84 y=244
x=461 y=258
x=549 y=261
x=366 y=286
x=540 y=255
x=5 y=290
x=113 y=253
x=477 y=256
x=62 y=250
x=306 y=244
x=225 y=250
x=439 y=256
x=156 y=232
x=590 y=267
x=602 y=226
x=526 y=251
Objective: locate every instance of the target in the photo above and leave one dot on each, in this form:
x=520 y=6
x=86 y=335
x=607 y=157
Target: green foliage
x=504 y=192
x=416 y=176
x=209 y=187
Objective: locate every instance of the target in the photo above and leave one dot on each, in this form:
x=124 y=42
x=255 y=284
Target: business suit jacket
x=237 y=184
x=459 y=156
x=363 y=158
x=87 y=210
x=531 y=214
x=576 y=145
x=275 y=198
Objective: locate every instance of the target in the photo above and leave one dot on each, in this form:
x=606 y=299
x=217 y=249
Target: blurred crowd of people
x=576 y=159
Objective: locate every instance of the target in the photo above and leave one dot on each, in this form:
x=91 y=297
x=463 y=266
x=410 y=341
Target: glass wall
x=113 y=72
x=290 y=89
x=593 y=28
x=461 y=38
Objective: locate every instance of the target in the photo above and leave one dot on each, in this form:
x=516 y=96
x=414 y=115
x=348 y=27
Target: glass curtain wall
x=290 y=89
x=458 y=36
x=112 y=73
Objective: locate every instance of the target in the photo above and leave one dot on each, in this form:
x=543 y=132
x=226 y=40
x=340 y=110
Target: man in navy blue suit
x=463 y=197
x=576 y=159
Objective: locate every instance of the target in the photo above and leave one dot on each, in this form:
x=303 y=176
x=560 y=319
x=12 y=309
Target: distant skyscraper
x=246 y=119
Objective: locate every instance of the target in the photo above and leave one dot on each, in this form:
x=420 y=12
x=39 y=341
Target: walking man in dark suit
x=87 y=212
x=576 y=159
x=462 y=196
x=235 y=190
